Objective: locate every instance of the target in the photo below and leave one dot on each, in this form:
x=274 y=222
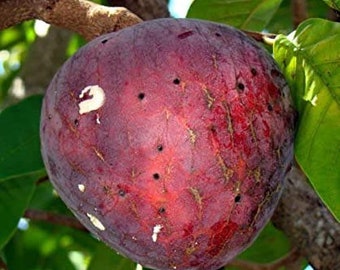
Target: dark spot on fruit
x=237 y=198
x=269 y=107
x=253 y=71
x=160 y=148
x=76 y=122
x=176 y=81
x=104 y=41
x=49 y=117
x=217 y=34
x=121 y=193
x=161 y=210
x=106 y=189
x=185 y=35
x=274 y=72
x=156 y=176
x=240 y=87
x=141 y=96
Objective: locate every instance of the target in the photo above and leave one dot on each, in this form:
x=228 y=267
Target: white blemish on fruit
x=96 y=100
x=98 y=119
x=96 y=222
x=156 y=230
x=139 y=267
x=81 y=187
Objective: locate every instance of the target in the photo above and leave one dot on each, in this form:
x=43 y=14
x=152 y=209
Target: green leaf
x=46 y=246
x=283 y=21
x=19 y=138
x=335 y=4
x=269 y=246
x=310 y=60
x=15 y=195
x=107 y=259
x=244 y=14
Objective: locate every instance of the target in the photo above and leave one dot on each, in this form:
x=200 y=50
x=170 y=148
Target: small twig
x=3 y=266
x=57 y=219
x=299 y=11
x=286 y=261
x=266 y=38
x=81 y=16
x=42 y=179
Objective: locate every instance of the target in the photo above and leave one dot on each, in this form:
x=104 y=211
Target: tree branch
x=54 y=218
x=81 y=16
x=306 y=221
x=299 y=11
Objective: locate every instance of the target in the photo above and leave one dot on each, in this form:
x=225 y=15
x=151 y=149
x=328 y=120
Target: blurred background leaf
x=248 y=15
x=19 y=138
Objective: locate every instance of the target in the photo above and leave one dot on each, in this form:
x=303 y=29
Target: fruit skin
x=170 y=141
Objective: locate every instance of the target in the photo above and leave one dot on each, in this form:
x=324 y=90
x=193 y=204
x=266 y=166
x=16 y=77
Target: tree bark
x=81 y=16
x=309 y=225
x=44 y=58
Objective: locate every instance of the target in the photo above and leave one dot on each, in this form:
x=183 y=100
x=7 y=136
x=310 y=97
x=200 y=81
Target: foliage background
x=31 y=244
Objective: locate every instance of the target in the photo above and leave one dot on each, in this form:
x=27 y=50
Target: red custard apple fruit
x=170 y=141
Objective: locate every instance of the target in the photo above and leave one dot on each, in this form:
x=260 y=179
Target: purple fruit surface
x=170 y=141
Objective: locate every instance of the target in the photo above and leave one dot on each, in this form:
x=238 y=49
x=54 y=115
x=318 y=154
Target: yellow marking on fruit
x=96 y=101
x=279 y=157
x=237 y=187
x=257 y=174
x=252 y=130
x=156 y=230
x=99 y=154
x=191 y=248
x=196 y=194
x=208 y=97
x=96 y=222
x=227 y=172
x=214 y=61
x=167 y=115
x=229 y=121
x=264 y=202
x=192 y=136
x=81 y=187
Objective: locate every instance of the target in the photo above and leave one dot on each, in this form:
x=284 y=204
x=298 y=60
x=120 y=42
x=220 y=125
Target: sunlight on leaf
x=333 y=4
x=245 y=14
x=310 y=60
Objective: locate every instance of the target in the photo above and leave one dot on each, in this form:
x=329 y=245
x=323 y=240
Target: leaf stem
x=57 y=219
x=266 y=38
